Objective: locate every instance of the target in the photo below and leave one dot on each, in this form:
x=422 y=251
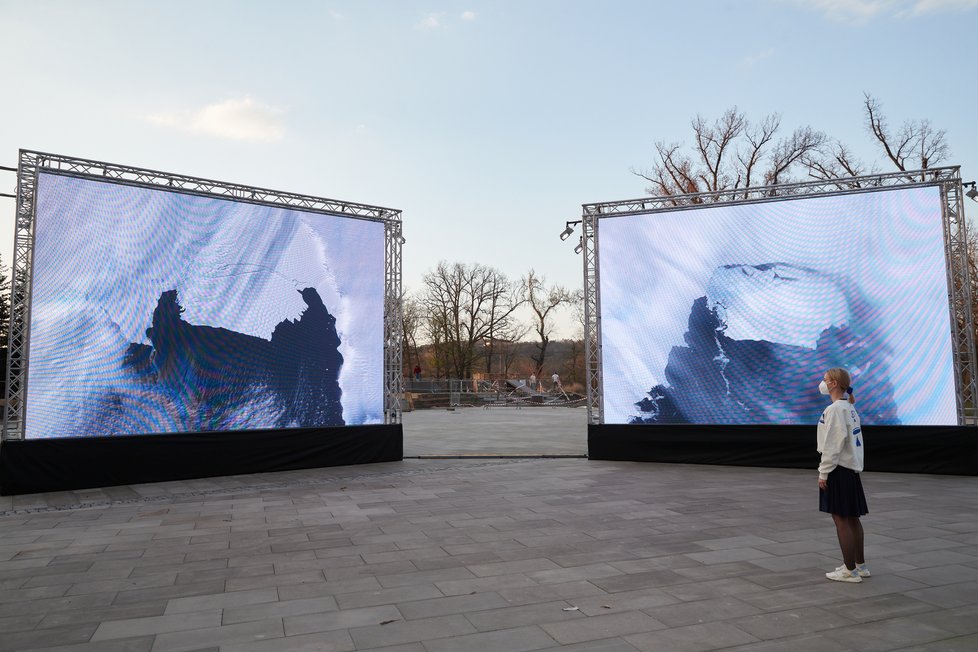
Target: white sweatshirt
x=840 y=438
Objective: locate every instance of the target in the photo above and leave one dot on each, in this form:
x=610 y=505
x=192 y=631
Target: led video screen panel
x=162 y=312
x=731 y=314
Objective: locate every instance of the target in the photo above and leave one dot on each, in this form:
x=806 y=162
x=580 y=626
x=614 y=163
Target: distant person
x=556 y=380
x=533 y=383
x=840 y=441
x=417 y=372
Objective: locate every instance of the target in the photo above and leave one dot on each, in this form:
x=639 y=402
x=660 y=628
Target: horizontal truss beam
x=846 y=185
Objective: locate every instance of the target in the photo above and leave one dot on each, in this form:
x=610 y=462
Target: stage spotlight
x=567 y=232
x=580 y=246
x=400 y=239
x=973 y=193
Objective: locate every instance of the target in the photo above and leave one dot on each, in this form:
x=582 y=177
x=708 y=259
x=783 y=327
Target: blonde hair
x=841 y=376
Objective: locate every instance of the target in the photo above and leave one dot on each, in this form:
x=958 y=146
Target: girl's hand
x=822 y=484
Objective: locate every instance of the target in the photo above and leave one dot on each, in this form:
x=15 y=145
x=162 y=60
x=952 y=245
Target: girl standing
x=840 y=441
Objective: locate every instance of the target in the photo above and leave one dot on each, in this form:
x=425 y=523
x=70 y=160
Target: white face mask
x=823 y=388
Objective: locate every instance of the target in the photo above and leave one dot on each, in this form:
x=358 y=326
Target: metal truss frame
x=393 y=327
x=960 y=297
x=592 y=312
x=33 y=163
x=948 y=179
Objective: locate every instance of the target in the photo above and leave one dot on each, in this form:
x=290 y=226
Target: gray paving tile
x=550 y=592
x=866 y=609
x=518 y=639
x=387 y=596
x=957 y=644
x=169 y=592
x=220 y=600
x=509 y=617
x=790 y=622
x=456 y=604
x=220 y=636
x=329 y=587
x=409 y=631
x=482 y=584
x=132 y=627
x=939 y=576
x=588 y=572
x=702 y=611
x=510 y=567
x=139 y=644
x=712 y=588
x=604 y=645
x=52 y=637
x=344 y=619
x=637 y=581
x=25 y=622
x=890 y=634
x=950 y=595
x=334 y=641
x=99 y=614
x=708 y=636
x=246 y=613
x=600 y=627
x=424 y=577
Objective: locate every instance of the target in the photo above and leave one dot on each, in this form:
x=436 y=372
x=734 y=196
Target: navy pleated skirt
x=844 y=494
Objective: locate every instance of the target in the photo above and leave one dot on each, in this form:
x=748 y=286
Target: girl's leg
x=859 y=554
x=846 y=540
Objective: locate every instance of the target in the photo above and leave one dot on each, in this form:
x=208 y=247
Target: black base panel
x=951 y=450
x=79 y=463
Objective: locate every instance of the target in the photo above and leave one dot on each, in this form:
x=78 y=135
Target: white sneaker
x=844 y=575
x=862 y=569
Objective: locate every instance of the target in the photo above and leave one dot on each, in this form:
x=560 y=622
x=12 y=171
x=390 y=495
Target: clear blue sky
x=487 y=123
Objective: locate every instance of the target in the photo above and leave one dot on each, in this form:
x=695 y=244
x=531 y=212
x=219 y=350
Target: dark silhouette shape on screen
x=714 y=379
x=213 y=378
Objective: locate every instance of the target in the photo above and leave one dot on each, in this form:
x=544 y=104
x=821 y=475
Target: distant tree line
x=464 y=320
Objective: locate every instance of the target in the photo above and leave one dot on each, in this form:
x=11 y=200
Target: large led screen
x=162 y=312
x=731 y=314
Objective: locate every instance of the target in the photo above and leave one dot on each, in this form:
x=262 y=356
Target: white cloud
x=756 y=57
x=236 y=119
x=861 y=11
x=468 y=16
x=933 y=6
x=431 y=21
x=851 y=10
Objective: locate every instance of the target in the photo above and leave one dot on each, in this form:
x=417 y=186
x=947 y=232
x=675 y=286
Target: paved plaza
x=431 y=555
x=496 y=431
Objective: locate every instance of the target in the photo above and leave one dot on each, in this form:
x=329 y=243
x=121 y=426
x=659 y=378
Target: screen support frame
x=947 y=179
x=32 y=163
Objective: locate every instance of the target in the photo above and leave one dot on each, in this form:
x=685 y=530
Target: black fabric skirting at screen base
x=33 y=466
x=902 y=449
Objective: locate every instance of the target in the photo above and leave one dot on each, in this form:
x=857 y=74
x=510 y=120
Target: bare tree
x=465 y=305
x=834 y=161
x=803 y=142
x=543 y=302
x=916 y=144
x=732 y=153
x=411 y=325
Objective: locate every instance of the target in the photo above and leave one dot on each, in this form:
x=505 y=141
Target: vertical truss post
x=592 y=312
x=20 y=295
x=393 y=330
x=959 y=297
